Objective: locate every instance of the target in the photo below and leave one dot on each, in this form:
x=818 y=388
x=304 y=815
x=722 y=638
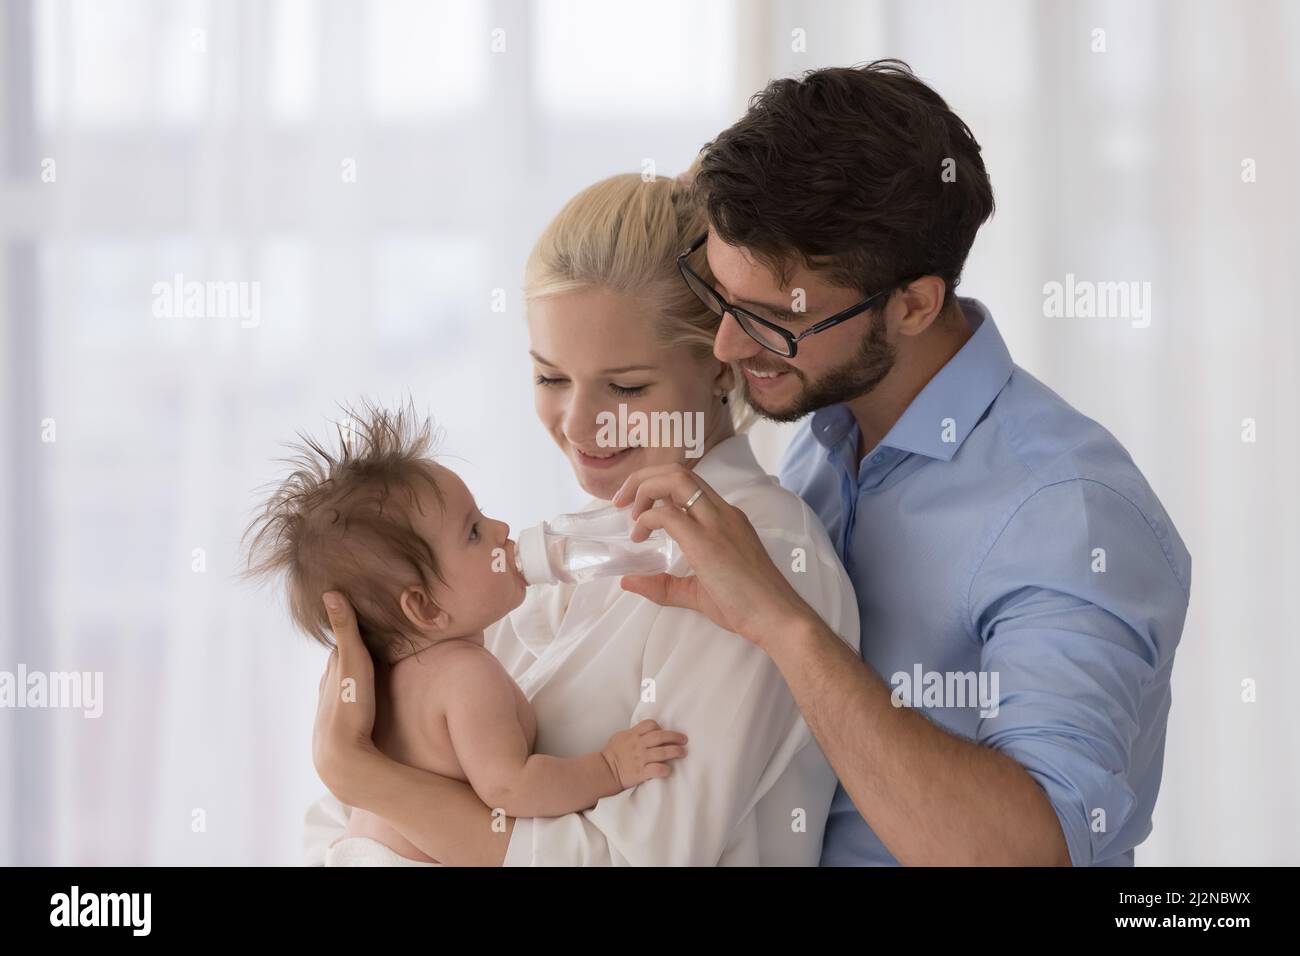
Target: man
x=1021 y=589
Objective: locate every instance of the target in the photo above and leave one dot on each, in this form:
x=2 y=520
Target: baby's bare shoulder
x=444 y=678
x=459 y=664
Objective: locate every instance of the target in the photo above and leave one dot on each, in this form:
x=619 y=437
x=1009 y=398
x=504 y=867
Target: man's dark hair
x=843 y=170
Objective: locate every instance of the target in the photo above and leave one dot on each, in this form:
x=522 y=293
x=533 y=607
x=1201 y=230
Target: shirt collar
x=730 y=464
x=961 y=391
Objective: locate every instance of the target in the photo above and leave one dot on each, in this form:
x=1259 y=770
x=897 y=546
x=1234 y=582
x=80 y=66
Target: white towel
x=363 y=851
x=325 y=822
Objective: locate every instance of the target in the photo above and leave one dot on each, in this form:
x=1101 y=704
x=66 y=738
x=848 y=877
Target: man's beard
x=858 y=376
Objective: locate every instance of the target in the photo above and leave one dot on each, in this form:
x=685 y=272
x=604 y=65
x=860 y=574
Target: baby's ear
x=421 y=611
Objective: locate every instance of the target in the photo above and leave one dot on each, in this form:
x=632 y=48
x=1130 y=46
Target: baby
x=426 y=572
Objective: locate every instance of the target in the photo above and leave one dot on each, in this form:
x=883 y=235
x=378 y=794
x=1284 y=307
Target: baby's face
x=475 y=555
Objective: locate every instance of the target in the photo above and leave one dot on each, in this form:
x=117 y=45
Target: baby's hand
x=640 y=753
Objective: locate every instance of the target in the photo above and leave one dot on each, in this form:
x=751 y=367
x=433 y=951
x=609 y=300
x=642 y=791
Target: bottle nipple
x=531 y=558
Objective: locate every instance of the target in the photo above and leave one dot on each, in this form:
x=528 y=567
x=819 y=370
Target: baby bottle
x=574 y=548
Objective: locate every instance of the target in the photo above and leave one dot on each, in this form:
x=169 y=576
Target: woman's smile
x=604 y=458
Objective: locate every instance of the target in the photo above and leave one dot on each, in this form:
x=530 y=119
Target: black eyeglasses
x=764 y=331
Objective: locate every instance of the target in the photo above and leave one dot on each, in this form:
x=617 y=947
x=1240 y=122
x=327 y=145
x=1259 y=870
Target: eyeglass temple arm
x=844 y=316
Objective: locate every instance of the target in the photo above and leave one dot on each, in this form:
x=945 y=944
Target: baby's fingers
x=660 y=737
x=653 y=770
x=659 y=754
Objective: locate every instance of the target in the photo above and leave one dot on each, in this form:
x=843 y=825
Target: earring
x=724 y=399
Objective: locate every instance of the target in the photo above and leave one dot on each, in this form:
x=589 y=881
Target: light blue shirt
x=997 y=535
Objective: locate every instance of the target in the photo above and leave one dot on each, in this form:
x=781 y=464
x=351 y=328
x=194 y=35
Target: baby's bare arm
x=493 y=751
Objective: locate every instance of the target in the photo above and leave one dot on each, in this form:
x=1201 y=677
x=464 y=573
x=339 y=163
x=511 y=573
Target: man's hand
x=345 y=712
x=735 y=584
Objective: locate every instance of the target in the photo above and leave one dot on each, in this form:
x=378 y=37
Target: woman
x=611 y=322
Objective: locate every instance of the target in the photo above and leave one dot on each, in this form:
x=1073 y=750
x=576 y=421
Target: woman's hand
x=735 y=584
x=463 y=832
x=345 y=714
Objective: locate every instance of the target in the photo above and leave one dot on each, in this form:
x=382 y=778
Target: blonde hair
x=624 y=234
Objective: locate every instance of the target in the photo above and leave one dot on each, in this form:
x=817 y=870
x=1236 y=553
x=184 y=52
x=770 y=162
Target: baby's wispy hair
x=341 y=520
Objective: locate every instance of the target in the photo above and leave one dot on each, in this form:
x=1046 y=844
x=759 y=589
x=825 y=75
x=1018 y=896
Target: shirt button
x=877 y=458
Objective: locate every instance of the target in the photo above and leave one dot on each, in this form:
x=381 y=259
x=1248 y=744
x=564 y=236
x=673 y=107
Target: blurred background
x=380 y=170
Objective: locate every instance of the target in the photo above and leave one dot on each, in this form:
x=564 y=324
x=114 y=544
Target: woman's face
x=596 y=349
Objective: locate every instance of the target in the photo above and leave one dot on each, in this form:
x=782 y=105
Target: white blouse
x=754 y=787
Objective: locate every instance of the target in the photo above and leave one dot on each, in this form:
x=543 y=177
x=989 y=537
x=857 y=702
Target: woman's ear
x=421 y=610
x=724 y=378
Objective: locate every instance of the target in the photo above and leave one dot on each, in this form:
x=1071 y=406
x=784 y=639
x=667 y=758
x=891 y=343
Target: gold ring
x=692 y=499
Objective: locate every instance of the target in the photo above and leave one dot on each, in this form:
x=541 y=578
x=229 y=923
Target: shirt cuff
x=519 y=852
x=1092 y=803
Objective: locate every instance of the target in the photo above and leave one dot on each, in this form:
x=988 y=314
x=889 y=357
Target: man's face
x=845 y=361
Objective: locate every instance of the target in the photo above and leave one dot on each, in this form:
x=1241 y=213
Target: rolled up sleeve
x=1079 y=608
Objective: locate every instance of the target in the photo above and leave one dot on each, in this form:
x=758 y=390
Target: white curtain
x=380 y=169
